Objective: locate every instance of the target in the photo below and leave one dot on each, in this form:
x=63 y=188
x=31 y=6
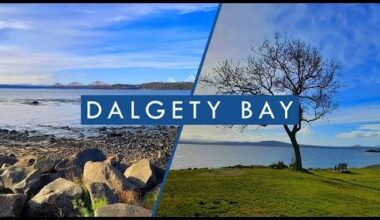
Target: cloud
x=352 y=115
x=359 y=134
x=65 y=37
x=220 y=133
x=355 y=27
x=305 y=130
x=13 y=24
x=363 y=131
x=348 y=33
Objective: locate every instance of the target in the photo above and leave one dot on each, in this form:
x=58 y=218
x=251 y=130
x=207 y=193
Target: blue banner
x=188 y=110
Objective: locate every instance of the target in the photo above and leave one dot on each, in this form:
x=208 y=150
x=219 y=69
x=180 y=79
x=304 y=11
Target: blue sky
x=347 y=32
x=123 y=43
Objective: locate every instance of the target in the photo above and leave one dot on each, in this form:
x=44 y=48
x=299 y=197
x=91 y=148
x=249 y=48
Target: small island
x=373 y=150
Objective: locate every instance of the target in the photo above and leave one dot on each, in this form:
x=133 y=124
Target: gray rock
x=114 y=160
x=25 y=161
x=104 y=173
x=7 y=159
x=55 y=199
x=11 y=204
x=44 y=164
x=6 y=165
x=48 y=178
x=1 y=184
x=122 y=210
x=143 y=174
x=22 y=180
x=122 y=167
x=30 y=185
x=79 y=159
x=72 y=173
x=100 y=192
x=13 y=175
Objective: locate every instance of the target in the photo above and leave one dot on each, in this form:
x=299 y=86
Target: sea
x=215 y=156
x=57 y=109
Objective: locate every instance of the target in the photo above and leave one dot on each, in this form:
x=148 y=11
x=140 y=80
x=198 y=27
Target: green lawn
x=267 y=192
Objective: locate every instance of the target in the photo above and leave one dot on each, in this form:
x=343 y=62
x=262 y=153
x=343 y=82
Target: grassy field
x=268 y=192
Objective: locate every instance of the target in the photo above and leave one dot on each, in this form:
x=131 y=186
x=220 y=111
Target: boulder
x=122 y=210
x=79 y=159
x=104 y=173
x=6 y=165
x=44 y=164
x=72 y=173
x=122 y=167
x=25 y=161
x=22 y=180
x=7 y=159
x=13 y=175
x=114 y=160
x=11 y=204
x=1 y=185
x=48 y=178
x=143 y=174
x=100 y=192
x=30 y=185
x=55 y=199
x=72 y=168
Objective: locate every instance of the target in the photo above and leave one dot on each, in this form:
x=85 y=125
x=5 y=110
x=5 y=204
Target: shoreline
x=135 y=142
x=239 y=166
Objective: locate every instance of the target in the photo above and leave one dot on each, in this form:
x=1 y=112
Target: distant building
x=75 y=84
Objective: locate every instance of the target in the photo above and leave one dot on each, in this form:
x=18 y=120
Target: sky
x=114 y=43
x=346 y=32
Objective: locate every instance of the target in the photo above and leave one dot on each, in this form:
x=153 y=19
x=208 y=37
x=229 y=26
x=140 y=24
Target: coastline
x=135 y=142
x=116 y=171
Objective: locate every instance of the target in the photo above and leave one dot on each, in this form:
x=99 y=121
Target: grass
x=268 y=192
x=150 y=198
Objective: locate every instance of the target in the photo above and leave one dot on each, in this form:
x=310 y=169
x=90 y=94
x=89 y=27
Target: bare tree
x=282 y=66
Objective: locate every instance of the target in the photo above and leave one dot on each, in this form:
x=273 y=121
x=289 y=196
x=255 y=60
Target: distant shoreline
x=269 y=143
x=149 y=86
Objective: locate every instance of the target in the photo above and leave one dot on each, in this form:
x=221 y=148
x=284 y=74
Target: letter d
x=89 y=116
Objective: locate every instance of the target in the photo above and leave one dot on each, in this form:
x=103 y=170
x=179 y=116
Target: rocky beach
x=110 y=171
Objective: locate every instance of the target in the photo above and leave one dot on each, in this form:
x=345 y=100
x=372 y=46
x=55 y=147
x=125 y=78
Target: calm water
x=211 y=156
x=58 y=108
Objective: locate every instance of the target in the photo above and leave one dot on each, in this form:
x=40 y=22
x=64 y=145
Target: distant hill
x=264 y=144
x=167 y=85
x=58 y=85
x=99 y=84
x=103 y=85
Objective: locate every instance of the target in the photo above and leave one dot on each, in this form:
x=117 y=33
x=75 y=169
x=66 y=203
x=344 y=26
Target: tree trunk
x=297 y=153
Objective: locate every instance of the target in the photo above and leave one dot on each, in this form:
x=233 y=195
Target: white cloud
x=76 y=37
x=305 y=130
x=220 y=133
x=13 y=24
x=363 y=131
x=17 y=64
x=359 y=134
